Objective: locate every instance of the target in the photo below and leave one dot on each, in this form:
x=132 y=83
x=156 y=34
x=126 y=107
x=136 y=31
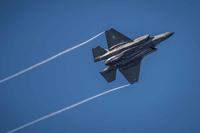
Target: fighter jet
x=126 y=54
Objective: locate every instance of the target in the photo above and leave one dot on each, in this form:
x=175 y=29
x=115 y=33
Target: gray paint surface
x=164 y=100
x=126 y=54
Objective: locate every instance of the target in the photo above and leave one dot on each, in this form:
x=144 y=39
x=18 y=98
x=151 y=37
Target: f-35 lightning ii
x=126 y=54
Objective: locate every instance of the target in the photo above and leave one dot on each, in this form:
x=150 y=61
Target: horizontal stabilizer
x=109 y=74
x=98 y=51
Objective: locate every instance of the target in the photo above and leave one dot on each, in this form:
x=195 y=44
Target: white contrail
x=48 y=59
x=65 y=109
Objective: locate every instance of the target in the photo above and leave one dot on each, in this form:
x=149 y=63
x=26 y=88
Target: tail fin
x=98 y=51
x=109 y=74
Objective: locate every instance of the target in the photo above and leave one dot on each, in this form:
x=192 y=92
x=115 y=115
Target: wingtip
x=109 y=29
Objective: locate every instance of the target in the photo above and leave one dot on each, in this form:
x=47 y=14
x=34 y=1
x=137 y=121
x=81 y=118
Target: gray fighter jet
x=126 y=54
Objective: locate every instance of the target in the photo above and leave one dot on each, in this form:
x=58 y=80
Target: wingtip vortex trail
x=66 y=108
x=48 y=59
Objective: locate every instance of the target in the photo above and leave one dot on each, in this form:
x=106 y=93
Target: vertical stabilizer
x=98 y=51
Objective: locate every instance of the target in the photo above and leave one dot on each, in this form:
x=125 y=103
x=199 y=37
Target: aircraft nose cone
x=161 y=37
x=168 y=34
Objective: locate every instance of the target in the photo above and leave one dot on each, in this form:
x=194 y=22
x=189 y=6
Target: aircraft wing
x=114 y=37
x=131 y=71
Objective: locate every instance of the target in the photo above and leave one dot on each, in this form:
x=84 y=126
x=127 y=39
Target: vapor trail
x=65 y=109
x=48 y=59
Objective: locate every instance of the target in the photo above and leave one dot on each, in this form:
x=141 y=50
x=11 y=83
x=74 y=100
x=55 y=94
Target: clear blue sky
x=166 y=98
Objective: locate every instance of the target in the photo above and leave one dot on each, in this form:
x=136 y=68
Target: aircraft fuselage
x=122 y=54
